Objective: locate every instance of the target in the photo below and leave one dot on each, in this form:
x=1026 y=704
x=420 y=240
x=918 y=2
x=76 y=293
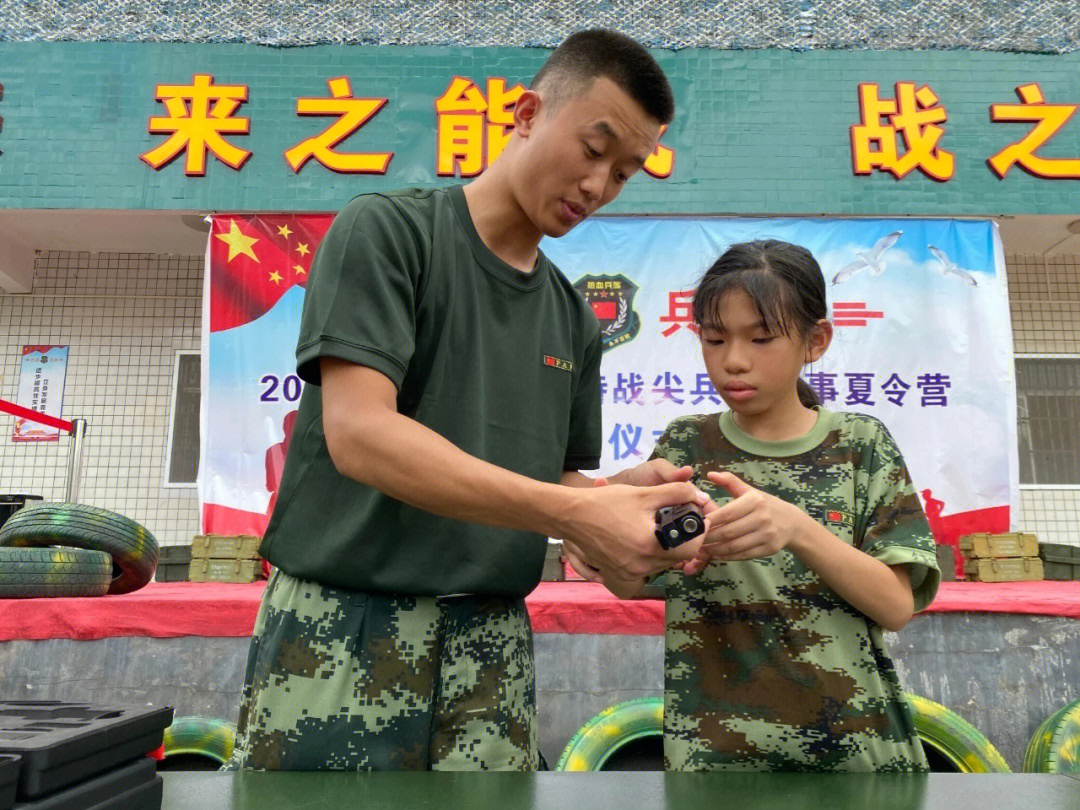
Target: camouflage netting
x=1041 y=26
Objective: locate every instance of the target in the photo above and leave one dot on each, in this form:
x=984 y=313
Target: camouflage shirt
x=766 y=667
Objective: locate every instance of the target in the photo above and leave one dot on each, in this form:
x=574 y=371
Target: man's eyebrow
x=605 y=129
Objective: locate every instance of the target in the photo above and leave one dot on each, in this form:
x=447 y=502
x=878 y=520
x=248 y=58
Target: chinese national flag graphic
x=606 y=309
x=256 y=259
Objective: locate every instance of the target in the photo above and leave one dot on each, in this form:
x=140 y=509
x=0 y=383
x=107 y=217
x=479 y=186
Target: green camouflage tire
x=26 y=573
x=133 y=549
x=954 y=738
x=610 y=730
x=948 y=734
x=1055 y=746
x=200 y=736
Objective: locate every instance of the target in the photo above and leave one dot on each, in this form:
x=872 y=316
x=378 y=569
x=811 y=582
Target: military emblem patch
x=558 y=362
x=825 y=516
x=612 y=300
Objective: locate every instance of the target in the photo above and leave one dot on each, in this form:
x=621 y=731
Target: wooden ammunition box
x=553 y=564
x=172 y=555
x=1013 y=544
x=946 y=562
x=204 y=569
x=173 y=562
x=1060 y=561
x=1004 y=569
x=234 y=547
x=171 y=572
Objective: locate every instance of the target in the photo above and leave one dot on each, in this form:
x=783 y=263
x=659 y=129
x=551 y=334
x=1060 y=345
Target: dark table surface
x=626 y=790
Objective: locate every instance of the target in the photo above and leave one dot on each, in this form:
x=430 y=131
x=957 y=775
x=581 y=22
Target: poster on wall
x=922 y=341
x=42 y=370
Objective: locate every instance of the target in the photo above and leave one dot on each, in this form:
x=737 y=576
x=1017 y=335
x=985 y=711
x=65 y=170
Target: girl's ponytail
x=807 y=395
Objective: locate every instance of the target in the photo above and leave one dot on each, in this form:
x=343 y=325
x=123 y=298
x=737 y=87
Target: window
x=182 y=462
x=1048 y=419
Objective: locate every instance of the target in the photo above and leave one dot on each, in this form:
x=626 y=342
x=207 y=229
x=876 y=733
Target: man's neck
x=500 y=222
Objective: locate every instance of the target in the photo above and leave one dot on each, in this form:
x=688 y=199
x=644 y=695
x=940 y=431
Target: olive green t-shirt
x=766 y=667
x=503 y=364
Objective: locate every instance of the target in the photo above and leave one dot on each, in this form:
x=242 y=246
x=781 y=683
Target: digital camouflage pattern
x=346 y=680
x=767 y=668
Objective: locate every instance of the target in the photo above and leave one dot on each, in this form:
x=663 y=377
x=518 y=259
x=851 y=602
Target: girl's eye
x=763 y=340
x=714 y=341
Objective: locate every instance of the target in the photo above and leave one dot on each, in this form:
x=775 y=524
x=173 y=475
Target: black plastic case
x=147 y=797
x=62 y=744
x=9 y=779
x=100 y=790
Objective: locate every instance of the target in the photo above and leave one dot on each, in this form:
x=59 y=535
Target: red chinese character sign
x=1048 y=119
x=200 y=116
x=352 y=113
x=922 y=341
x=472 y=127
x=902 y=134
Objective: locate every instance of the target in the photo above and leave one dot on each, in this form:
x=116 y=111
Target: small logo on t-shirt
x=612 y=301
x=824 y=515
x=556 y=362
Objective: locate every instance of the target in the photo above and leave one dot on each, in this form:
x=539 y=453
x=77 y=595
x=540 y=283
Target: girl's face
x=755 y=371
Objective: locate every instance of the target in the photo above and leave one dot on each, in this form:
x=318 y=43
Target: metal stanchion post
x=74 y=474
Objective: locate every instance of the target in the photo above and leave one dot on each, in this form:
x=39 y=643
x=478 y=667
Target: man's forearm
x=412 y=463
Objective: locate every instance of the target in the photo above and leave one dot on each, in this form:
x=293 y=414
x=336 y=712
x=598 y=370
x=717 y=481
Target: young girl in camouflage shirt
x=774 y=657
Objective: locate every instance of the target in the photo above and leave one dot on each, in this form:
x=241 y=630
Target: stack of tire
x=71 y=549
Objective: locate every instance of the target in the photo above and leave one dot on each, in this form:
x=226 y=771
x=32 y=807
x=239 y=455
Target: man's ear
x=526 y=111
x=819 y=340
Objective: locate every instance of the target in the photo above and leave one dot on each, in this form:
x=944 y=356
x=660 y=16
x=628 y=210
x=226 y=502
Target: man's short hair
x=601 y=52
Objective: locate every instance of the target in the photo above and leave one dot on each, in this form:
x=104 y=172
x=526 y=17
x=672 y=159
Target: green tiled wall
x=756 y=132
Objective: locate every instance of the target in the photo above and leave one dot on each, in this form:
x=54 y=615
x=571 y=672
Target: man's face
x=578 y=156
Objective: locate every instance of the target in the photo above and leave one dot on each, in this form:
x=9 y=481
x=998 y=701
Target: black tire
x=133 y=549
x=27 y=573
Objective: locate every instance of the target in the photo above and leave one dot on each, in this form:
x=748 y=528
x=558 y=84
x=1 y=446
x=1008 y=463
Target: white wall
x=124 y=317
x=1045 y=300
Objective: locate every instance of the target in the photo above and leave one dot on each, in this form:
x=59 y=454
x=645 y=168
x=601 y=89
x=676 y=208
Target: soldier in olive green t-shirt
x=452 y=397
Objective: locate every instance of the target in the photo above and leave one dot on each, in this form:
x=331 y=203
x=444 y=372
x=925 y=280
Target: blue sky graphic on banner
x=923 y=341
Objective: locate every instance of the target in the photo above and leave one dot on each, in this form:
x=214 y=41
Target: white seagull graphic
x=869 y=258
x=949 y=268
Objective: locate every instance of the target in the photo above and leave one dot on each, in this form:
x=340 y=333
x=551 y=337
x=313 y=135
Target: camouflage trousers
x=347 y=680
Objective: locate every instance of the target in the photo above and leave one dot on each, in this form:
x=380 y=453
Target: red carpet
x=165 y=610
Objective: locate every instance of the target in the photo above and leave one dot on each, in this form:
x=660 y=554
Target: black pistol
x=678 y=524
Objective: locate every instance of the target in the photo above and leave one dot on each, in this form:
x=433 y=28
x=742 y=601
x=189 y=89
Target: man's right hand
x=614 y=527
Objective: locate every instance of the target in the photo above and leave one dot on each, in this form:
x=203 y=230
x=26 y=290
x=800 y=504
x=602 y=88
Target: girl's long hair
x=783 y=280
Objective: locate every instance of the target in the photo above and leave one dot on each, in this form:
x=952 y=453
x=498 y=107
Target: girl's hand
x=754 y=524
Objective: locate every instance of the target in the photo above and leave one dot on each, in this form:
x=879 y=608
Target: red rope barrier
x=35 y=416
